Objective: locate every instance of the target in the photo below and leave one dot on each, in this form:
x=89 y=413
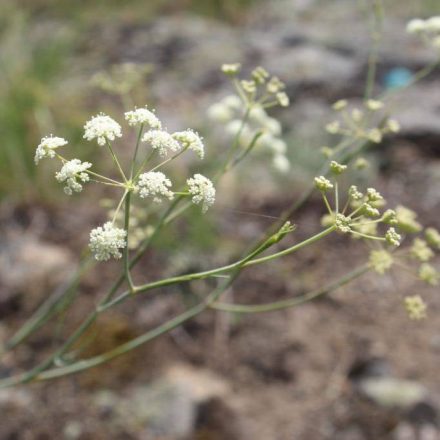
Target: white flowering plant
x=361 y=214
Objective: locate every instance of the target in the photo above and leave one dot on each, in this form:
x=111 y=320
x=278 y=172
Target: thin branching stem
x=295 y=301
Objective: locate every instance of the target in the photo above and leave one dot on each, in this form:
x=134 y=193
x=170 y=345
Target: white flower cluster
x=71 y=173
x=191 y=140
x=230 y=111
x=202 y=191
x=161 y=141
x=428 y=29
x=102 y=128
x=156 y=185
x=47 y=147
x=106 y=241
x=143 y=116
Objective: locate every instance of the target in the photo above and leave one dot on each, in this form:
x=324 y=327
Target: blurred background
x=293 y=374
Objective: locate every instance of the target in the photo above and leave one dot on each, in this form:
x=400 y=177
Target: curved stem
x=295 y=301
x=245 y=262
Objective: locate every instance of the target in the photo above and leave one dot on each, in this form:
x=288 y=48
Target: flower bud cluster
x=360 y=123
x=261 y=87
x=362 y=222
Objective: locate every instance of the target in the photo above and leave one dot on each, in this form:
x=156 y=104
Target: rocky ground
x=351 y=366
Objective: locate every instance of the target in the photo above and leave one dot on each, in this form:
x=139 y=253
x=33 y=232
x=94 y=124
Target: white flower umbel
x=102 y=128
x=143 y=116
x=191 y=140
x=106 y=241
x=47 y=147
x=156 y=185
x=161 y=141
x=71 y=173
x=202 y=191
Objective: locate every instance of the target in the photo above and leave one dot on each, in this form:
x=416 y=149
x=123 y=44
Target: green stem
x=292 y=302
x=376 y=35
x=119 y=205
x=126 y=249
x=38 y=374
x=55 y=304
x=235 y=145
x=136 y=149
x=114 y=182
x=169 y=159
x=245 y=262
x=116 y=161
x=248 y=149
x=144 y=162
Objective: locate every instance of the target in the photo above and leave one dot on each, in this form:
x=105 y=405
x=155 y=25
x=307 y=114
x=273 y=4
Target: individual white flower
x=433 y=24
x=354 y=193
x=231 y=69
x=392 y=126
x=161 y=141
x=373 y=195
x=155 y=184
x=374 y=104
x=47 y=146
x=272 y=126
x=102 y=128
x=370 y=211
x=283 y=99
x=375 y=135
x=202 y=191
x=220 y=112
x=416 y=26
x=233 y=127
x=333 y=127
x=73 y=172
x=392 y=237
x=421 y=250
x=143 y=116
x=323 y=184
x=281 y=163
x=381 y=260
x=436 y=42
x=190 y=139
x=340 y=105
x=106 y=241
x=233 y=102
x=415 y=307
x=343 y=223
x=277 y=145
x=337 y=168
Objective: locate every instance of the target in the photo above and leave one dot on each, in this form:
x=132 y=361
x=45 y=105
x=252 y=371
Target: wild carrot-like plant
x=359 y=213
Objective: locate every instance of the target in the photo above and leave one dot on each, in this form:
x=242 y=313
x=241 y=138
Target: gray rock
x=30 y=267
